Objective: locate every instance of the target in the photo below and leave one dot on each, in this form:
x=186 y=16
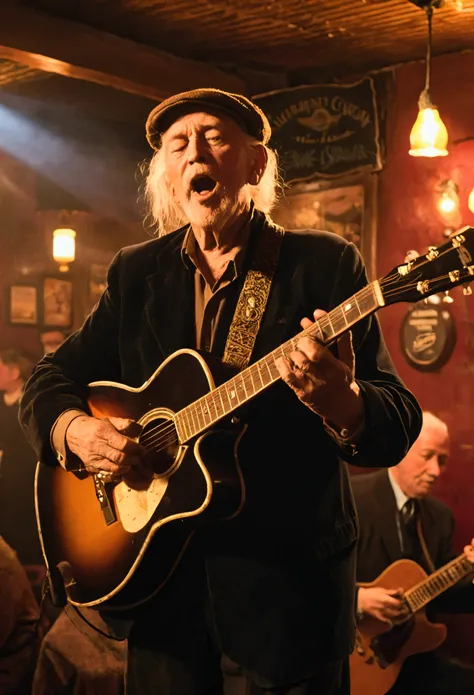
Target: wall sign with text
x=324 y=130
x=428 y=336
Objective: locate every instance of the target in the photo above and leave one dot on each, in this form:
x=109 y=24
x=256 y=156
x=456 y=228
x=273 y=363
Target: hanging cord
x=91 y=625
x=43 y=613
x=429 y=15
x=424 y=101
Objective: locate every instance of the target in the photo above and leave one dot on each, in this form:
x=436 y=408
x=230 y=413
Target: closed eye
x=178 y=144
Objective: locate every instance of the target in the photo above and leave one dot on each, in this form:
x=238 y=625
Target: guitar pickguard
x=137 y=498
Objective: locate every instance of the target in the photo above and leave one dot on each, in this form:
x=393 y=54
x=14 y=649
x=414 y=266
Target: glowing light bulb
x=448 y=201
x=470 y=201
x=429 y=136
x=64 y=247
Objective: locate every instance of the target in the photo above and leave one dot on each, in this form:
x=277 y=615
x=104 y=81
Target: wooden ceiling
x=125 y=55
x=274 y=35
x=153 y=48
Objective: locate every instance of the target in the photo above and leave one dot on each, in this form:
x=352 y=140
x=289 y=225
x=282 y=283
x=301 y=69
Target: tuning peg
x=467 y=290
x=447 y=299
x=411 y=255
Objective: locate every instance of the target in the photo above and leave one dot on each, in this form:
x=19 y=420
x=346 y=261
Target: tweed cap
x=247 y=114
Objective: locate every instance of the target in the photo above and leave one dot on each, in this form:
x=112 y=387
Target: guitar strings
x=163 y=435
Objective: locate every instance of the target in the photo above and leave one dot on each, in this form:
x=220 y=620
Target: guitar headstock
x=441 y=269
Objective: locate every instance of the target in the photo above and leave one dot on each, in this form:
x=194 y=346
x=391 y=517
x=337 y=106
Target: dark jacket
x=19 y=617
x=17 y=476
x=282 y=574
x=379 y=543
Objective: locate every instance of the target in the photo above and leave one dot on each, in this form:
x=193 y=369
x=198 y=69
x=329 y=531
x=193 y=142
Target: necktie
x=411 y=542
x=408 y=512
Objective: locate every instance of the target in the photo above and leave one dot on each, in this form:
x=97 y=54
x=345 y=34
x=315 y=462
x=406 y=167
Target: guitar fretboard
x=223 y=400
x=441 y=580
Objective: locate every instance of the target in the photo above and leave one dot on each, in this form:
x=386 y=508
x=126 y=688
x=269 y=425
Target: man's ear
x=259 y=165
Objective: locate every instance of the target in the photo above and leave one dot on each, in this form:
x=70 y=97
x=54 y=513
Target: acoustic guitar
x=380 y=650
x=115 y=544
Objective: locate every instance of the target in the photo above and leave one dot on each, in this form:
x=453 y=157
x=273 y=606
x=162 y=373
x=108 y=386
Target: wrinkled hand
x=323 y=382
x=384 y=604
x=103 y=445
x=469 y=550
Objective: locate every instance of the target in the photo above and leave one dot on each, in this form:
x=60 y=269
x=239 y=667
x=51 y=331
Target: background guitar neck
x=209 y=409
x=441 y=580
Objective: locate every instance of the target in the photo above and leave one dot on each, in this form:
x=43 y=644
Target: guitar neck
x=438 y=582
x=225 y=399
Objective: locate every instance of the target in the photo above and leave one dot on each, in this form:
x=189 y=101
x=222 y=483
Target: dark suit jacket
x=379 y=543
x=282 y=574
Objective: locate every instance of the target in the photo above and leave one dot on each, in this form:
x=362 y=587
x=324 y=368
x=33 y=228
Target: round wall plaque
x=428 y=336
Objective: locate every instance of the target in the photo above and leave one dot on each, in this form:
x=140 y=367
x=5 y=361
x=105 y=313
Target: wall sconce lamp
x=429 y=136
x=64 y=247
x=470 y=201
x=448 y=201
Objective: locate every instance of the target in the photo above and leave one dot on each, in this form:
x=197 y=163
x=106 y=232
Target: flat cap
x=247 y=114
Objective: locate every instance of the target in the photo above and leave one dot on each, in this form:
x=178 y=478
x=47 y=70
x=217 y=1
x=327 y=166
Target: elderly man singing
x=262 y=602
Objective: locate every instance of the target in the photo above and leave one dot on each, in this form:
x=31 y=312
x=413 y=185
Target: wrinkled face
x=208 y=163
x=425 y=461
x=9 y=375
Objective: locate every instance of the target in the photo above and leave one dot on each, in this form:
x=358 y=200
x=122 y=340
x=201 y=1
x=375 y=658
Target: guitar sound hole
x=160 y=439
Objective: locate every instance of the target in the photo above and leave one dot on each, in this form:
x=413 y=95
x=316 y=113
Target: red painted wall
x=408 y=219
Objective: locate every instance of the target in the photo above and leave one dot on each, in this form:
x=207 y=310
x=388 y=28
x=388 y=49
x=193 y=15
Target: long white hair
x=165 y=213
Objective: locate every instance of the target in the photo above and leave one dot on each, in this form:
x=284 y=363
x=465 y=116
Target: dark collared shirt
x=209 y=301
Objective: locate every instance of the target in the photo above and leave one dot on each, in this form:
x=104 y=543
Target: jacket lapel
x=427 y=523
x=170 y=300
x=284 y=304
x=387 y=517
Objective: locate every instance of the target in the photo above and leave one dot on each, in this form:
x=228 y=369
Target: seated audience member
x=51 y=340
x=17 y=464
x=399 y=519
x=76 y=659
x=19 y=616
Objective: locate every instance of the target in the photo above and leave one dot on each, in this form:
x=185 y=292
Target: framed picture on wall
x=346 y=207
x=22 y=304
x=57 y=302
x=97 y=282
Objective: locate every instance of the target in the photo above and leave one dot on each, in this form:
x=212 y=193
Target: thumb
x=126 y=426
x=397 y=593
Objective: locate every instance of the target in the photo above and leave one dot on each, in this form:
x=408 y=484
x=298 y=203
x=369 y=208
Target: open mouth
x=202 y=184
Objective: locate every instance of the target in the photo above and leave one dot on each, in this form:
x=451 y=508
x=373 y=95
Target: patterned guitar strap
x=253 y=298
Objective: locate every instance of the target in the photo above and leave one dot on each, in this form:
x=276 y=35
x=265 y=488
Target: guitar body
x=380 y=651
x=96 y=535
x=113 y=545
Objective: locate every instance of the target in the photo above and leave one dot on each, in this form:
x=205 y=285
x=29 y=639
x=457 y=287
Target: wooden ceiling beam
x=55 y=45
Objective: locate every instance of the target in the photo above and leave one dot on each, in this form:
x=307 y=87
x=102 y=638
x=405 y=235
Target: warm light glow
x=470 y=201
x=448 y=202
x=428 y=137
x=64 y=247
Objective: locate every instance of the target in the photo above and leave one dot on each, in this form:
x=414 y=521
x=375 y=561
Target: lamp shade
x=470 y=201
x=428 y=137
x=64 y=245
